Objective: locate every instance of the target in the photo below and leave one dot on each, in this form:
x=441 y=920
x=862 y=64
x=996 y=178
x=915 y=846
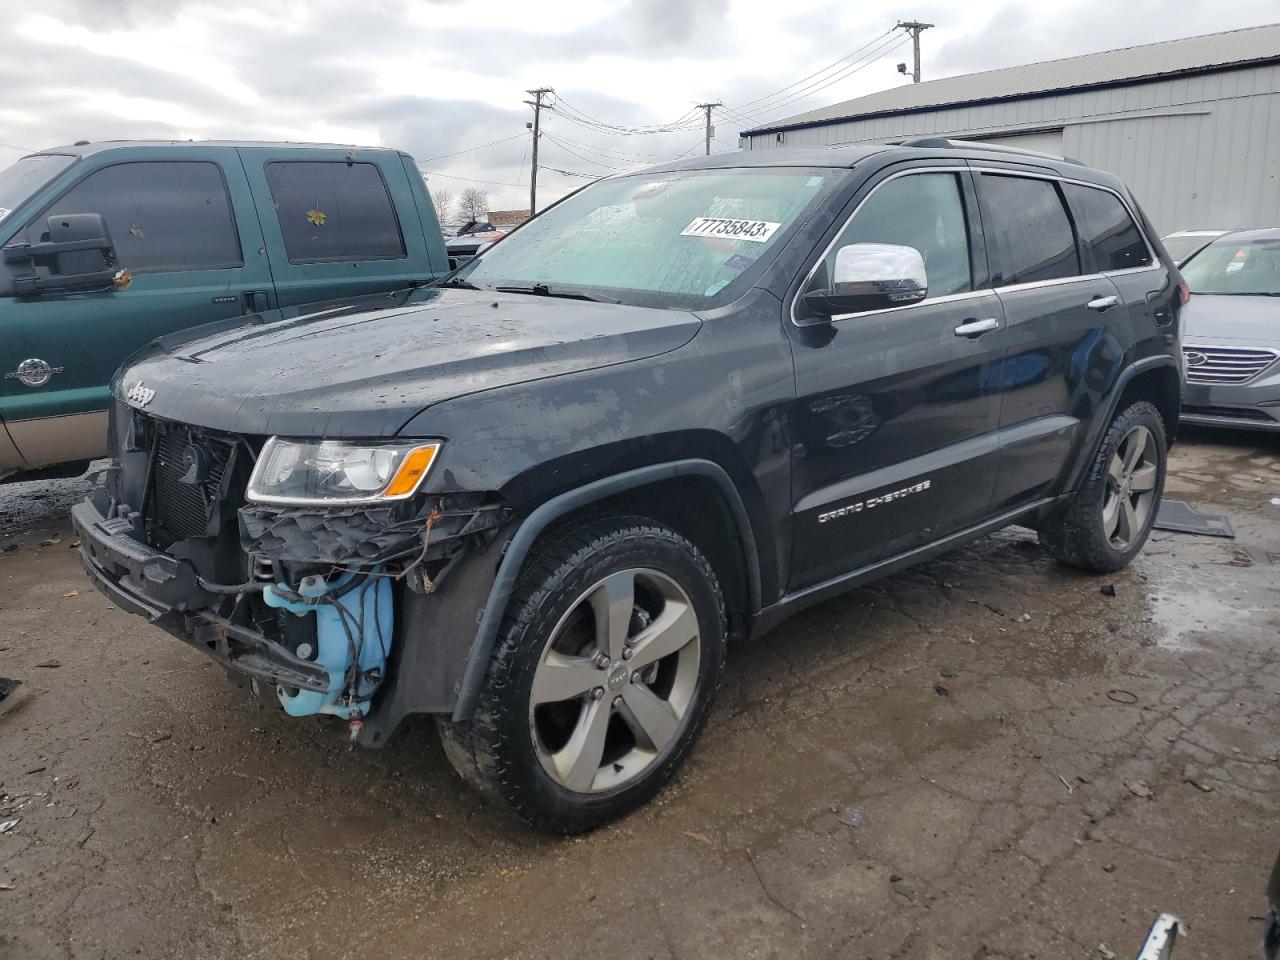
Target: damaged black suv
x=537 y=499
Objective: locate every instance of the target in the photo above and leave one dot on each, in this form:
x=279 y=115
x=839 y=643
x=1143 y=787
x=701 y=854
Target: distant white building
x=1192 y=126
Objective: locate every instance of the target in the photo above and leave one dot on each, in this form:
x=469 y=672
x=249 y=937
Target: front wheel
x=1107 y=521
x=601 y=677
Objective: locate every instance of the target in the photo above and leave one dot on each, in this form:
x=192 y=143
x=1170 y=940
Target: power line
x=572 y=173
x=494 y=183
x=574 y=115
x=752 y=117
x=848 y=56
x=610 y=154
x=480 y=146
x=870 y=57
x=564 y=106
x=575 y=153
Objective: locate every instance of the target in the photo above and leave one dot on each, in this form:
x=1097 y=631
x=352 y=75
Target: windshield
x=1182 y=247
x=685 y=240
x=1229 y=266
x=28 y=175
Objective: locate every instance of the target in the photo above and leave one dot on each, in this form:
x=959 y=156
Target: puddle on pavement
x=1182 y=612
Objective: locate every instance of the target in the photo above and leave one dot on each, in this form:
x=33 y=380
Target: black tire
x=495 y=750
x=1076 y=533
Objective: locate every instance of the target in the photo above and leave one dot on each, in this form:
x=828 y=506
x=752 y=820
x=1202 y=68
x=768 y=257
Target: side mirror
x=78 y=256
x=870 y=276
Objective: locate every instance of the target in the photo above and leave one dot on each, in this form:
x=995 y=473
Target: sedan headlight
x=336 y=472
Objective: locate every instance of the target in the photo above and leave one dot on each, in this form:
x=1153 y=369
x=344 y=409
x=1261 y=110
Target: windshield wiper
x=564 y=293
x=457 y=282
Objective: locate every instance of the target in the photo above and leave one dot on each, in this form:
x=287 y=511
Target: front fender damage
x=326 y=565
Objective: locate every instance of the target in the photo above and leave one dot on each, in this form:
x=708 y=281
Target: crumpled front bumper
x=167 y=591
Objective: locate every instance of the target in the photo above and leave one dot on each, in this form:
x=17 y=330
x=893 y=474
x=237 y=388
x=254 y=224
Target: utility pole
x=707 y=108
x=537 y=105
x=914 y=27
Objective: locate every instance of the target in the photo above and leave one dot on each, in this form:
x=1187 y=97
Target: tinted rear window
x=334 y=210
x=1030 y=229
x=1107 y=228
x=163 y=215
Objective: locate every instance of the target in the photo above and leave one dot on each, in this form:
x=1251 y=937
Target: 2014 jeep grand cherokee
x=538 y=499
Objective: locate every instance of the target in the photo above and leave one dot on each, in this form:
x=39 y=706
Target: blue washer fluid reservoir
x=366 y=622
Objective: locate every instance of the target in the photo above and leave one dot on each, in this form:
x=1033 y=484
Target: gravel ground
x=989 y=756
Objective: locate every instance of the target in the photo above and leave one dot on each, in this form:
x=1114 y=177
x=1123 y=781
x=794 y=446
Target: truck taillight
x=1184 y=291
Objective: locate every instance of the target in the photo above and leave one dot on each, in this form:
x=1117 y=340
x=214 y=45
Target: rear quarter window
x=334 y=211
x=1107 y=229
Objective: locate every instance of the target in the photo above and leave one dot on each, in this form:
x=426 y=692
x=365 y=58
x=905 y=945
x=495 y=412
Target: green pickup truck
x=107 y=246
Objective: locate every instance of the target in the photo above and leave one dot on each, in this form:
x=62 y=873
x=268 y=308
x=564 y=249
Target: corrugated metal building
x=1193 y=125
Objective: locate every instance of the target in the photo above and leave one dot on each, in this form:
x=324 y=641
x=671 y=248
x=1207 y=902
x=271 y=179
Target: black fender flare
x=543 y=516
x=1099 y=425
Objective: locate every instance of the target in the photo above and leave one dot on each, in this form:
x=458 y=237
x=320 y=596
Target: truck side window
x=163 y=215
x=924 y=211
x=334 y=210
x=1108 y=229
x=1030 y=228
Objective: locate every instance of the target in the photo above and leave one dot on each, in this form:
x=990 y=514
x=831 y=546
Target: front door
x=896 y=414
x=187 y=232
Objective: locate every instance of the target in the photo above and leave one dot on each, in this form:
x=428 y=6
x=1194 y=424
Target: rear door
x=1060 y=356
x=184 y=225
x=895 y=420
x=337 y=223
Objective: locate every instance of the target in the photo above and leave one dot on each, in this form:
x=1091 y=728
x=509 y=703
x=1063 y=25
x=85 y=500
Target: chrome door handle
x=975 y=328
x=1103 y=303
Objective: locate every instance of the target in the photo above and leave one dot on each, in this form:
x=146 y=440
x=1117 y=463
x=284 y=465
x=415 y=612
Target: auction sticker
x=757 y=231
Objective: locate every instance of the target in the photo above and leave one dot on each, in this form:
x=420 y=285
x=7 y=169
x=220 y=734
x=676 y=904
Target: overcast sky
x=434 y=78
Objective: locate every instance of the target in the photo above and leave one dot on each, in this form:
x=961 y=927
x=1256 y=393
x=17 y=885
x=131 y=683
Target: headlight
x=335 y=472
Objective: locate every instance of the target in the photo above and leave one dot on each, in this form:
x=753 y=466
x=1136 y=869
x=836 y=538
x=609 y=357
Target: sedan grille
x=1226 y=364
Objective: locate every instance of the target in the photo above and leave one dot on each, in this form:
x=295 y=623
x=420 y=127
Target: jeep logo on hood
x=140 y=394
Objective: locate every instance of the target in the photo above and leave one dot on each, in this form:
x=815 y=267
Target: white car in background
x=1185 y=244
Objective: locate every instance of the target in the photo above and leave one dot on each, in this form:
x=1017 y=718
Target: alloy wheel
x=1130 y=497
x=615 y=681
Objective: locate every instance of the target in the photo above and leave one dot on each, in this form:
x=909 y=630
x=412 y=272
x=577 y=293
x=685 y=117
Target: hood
x=1215 y=318
x=357 y=370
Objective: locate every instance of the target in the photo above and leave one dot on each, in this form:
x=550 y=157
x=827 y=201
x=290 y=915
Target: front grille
x=1226 y=364
x=186 y=480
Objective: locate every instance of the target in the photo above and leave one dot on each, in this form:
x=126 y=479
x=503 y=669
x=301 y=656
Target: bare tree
x=474 y=204
x=443 y=200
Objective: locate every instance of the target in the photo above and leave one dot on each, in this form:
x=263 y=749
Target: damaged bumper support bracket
x=152 y=584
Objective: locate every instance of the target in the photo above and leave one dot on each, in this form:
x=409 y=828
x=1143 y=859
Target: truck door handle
x=976 y=328
x=255 y=301
x=1102 y=304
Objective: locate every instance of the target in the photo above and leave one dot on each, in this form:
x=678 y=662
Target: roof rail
x=945 y=143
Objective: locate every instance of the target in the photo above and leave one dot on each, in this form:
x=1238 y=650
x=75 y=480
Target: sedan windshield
x=690 y=240
x=1181 y=246
x=1230 y=266
x=28 y=175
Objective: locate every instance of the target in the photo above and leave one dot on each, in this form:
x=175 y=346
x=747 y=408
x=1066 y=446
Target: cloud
x=439 y=78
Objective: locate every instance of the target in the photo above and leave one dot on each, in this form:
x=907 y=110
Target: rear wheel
x=1108 y=519
x=601 y=677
